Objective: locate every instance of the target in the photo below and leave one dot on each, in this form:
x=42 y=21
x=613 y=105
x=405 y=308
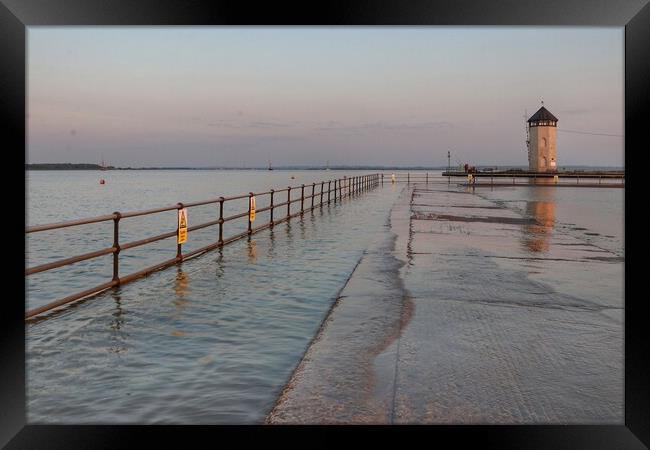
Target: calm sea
x=215 y=339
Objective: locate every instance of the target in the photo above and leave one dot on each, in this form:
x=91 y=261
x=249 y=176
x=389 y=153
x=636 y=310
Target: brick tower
x=542 y=153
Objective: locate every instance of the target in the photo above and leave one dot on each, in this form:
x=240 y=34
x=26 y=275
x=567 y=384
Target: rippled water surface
x=594 y=215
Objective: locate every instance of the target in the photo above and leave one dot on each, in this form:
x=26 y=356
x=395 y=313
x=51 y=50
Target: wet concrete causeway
x=467 y=312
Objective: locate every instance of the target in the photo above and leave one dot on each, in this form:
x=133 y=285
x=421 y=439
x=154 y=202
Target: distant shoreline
x=71 y=166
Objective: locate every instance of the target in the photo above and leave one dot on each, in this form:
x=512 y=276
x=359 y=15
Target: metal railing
x=545 y=178
x=322 y=193
x=417 y=177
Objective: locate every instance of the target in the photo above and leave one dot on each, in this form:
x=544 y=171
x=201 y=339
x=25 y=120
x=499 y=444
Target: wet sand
x=465 y=311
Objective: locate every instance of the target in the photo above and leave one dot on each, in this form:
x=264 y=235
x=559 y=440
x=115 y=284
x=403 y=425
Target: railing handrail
x=536 y=174
x=343 y=187
x=69 y=223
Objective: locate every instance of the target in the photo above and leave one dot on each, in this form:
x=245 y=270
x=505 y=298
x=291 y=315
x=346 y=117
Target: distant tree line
x=65 y=166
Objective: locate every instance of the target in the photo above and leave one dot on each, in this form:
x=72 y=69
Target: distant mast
x=103 y=167
x=270 y=168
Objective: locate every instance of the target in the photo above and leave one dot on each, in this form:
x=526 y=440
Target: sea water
x=214 y=339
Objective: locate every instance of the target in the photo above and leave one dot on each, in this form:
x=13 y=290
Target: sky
x=394 y=96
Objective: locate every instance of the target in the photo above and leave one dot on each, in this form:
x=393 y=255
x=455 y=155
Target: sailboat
x=270 y=168
x=103 y=166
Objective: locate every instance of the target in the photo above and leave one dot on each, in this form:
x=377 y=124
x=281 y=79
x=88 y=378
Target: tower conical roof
x=542 y=114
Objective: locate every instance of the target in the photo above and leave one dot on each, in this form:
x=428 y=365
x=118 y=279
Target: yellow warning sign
x=182 y=226
x=252 y=207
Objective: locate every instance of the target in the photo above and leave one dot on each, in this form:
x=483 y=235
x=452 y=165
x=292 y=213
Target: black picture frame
x=16 y=15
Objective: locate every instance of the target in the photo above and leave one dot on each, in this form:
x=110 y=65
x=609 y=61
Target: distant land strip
x=83 y=166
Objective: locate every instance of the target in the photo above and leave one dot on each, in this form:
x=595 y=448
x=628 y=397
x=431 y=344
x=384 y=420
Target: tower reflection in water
x=537 y=235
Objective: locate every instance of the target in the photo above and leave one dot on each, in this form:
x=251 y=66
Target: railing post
x=329 y=190
x=179 y=253
x=382 y=179
x=321 y=192
x=408 y=178
x=271 y=206
x=313 y=190
x=116 y=244
x=335 y=191
x=250 y=224
x=288 y=201
x=302 y=199
x=221 y=199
